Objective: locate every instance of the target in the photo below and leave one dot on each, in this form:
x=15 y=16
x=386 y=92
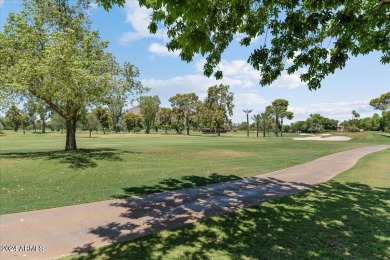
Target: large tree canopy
x=319 y=36
x=49 y=52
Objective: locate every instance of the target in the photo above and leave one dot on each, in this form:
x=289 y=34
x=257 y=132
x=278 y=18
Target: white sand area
x=322 y=137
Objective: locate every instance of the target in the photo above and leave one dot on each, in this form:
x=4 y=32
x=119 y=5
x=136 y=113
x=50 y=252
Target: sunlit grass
x=345 y=218
x=36 y=173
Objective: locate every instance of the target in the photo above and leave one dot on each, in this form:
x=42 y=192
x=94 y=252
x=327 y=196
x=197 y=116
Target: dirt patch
x=224 y=153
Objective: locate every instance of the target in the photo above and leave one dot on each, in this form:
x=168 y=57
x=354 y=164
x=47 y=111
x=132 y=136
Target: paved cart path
x=52 y=233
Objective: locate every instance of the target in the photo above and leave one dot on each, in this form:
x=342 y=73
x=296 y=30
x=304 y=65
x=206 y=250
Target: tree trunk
x=166 y=131
x=188 y=130
x=147 y=130
x=43 y=126
x=247 y=125
x=90 y=132
x=24 y=130
x=71 y=135
x=62 y=130
x=104 y=131
x=276 y=126
x=281 y=127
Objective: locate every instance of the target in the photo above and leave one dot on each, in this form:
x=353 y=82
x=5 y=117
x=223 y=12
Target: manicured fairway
x=36 y=173
x=345 y=218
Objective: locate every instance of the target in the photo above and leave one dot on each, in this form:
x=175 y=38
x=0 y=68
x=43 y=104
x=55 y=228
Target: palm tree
x=257 y=119
x=247 y=112
x=264 y=117
x=289 y=115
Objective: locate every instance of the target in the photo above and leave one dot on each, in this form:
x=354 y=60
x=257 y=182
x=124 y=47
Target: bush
x=136 y=129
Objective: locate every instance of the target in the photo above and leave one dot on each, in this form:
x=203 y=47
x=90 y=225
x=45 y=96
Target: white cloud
x=1 y=2
x=289 y=81
x=139 y=18
x=236 y=72
x=249 y=99
x=161 y=50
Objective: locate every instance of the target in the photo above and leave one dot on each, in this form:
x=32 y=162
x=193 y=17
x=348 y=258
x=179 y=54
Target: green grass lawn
x=36 y=173
x=345 y=218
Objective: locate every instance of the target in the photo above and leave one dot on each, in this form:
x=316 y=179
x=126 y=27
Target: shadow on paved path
x=344 y=215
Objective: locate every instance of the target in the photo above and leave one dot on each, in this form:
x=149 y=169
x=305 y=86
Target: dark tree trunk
x=90 y=132
x=24 y=130
x=247 y=125
x=188 y=130
x=281 y=127
x=104 y=131
x=71 y=135
x=276 y=126
x=166 y=131
x=43 y=127
x=147 y=130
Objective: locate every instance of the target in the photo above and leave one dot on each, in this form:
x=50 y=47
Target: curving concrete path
x=52 y=233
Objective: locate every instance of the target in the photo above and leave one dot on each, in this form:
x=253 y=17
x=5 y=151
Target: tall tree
x=279 y=110
x=355 y=114
x=164 y=116
x=264 y=118
x=217 y=108
x=286 y=114
x=247 y=112
x=184 y=106
x=149 y=106
x=383 y=103
x=49 y=52
x=31 y=109
x=318 y=35
x=124 y=89
x=257 y=119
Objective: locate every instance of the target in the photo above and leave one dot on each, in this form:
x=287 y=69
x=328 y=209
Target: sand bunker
x=323 y=137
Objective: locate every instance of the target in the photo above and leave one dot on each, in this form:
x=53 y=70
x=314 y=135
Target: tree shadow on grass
x=331 y=221
x=80 y=159
x=189 y=181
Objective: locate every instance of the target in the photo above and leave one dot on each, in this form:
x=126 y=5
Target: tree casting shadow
x=332 y=221
x=189 y=181
x=80 y=159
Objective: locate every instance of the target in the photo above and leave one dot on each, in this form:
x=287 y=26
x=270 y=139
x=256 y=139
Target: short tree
x=91 y=123
x=14 y=117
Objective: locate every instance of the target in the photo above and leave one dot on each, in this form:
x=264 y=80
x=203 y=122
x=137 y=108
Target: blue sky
x=363 y=79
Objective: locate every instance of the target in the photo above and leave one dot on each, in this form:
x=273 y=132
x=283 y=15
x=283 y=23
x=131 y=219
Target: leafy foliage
x=149 y=106
x=184 y=107
x=164 y=117
x=131 y=120
x=318 y=36
x=381 y=103
x=217 y=107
